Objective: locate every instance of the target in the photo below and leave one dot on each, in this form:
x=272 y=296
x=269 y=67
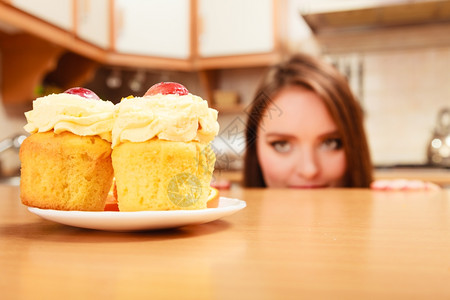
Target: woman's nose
x=307 y=166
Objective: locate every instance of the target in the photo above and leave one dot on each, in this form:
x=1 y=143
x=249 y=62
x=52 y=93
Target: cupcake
x=161 y=153
x=66 y=161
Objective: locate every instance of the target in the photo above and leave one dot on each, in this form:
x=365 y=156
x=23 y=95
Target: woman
x=305 y=130
x=310 y=80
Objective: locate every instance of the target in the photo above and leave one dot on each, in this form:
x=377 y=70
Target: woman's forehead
x=294 y=108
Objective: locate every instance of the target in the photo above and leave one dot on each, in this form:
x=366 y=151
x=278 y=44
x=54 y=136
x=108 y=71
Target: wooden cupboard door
x=58 y=13
x=93 y=21
x=235 y=27
x=153 y=27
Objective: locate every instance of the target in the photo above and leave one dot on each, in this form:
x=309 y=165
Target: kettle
x=438 y=152
x=9 y=160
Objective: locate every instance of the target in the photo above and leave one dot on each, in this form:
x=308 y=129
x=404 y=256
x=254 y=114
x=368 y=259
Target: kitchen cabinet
x=58 y=13
x=222 y=28
x=164 y=34
x=234 y=34
x=88 y=19
x=153 y=28
x=93 y=21
x=37 y=35
x=183 y=35
x=235 y=27
x=25 y=61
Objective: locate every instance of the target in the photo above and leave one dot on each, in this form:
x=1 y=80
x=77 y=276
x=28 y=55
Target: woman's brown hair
x=332 y=87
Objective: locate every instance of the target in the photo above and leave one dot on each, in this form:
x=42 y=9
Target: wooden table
x=440 y=176
x=332 y=244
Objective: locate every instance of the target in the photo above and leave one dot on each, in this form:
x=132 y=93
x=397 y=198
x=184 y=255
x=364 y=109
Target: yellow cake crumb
x=65 y=171
x=163 y=175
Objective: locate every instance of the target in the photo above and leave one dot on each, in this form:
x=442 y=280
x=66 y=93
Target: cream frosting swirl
x=73 y=113
x=168 y=117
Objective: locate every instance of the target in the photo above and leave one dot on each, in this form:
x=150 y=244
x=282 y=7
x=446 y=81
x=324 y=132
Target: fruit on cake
x=161 y=150
x=66 y=161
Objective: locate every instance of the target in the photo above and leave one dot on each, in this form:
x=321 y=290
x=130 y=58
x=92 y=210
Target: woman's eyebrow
x=282 y=134
x=334 y=133
x=278 y=135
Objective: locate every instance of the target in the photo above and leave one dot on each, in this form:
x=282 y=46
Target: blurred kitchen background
x=395 y=54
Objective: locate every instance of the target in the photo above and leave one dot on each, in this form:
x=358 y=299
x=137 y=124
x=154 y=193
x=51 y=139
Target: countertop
x=440 y=176
x=286 y=244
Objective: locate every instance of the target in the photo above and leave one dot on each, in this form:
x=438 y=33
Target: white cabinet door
x=93 y=21
x=235 y=27
x=59 y=12
x=153 y=27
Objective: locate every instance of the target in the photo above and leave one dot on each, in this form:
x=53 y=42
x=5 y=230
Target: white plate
x=140 y=220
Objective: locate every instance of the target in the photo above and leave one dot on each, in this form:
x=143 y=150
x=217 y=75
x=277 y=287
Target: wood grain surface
x=286 y=244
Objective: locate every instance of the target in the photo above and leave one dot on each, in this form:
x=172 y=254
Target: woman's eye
x=332 y=144
x=281 y=146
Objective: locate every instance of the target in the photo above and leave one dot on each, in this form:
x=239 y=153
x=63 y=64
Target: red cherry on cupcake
x=85 y=93
x=166 y=88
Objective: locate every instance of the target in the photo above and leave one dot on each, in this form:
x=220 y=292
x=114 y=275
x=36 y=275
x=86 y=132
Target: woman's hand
x=403 y=185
